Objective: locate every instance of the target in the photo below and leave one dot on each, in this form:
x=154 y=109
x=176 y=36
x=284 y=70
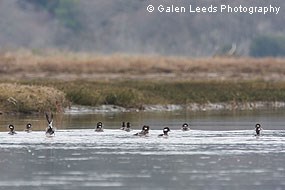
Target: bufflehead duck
x=12 y=130
x=126 y=128
x=28 y=128
x=99 y=127
x=49 y=130
x=165 y=132
x=185 y=127
x=258 y=129
x=144 y=132
x=123 y=126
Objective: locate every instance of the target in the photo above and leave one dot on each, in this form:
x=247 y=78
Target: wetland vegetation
x=34 y=82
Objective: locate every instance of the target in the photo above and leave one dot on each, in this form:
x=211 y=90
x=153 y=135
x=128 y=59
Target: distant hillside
x=111 y=26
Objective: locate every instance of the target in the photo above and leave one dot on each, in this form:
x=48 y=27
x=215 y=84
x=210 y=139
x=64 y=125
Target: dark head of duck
x=144 y=131
x=258 y=129
x=99 y=125
x=165 y=132
x=185 y=127
x=145 y=128
x=128 y=125
x=12 y=129
x=28 y=126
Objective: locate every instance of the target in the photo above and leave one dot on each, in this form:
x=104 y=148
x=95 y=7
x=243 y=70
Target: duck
x=12 y=130
x=185 y=127
x=258 y=129
x=28 y=128
x=165 y=132
x=50 y=132
x=125 y=127
x=144 y=131
x=99 y=127
x=128 y=128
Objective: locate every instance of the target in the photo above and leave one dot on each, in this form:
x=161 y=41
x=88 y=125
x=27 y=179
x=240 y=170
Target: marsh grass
x=55 y=62
x=43 y=95
x=136 y=94
x=46 y=92
x=16 y=98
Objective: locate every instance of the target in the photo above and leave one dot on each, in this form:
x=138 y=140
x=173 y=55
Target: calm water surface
x=220 y=152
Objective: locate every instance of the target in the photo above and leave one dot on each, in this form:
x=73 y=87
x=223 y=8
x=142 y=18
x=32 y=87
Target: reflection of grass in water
x=134 y=94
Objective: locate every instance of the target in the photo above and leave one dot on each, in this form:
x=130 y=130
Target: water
x=221 y=152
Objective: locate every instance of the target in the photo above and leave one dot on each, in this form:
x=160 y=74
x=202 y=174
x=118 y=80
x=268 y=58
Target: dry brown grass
x=27 y=98
x=23 y=63
x=174 y=80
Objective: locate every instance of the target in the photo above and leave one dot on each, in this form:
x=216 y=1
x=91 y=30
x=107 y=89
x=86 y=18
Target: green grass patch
x=32 y=96
x=137 y=93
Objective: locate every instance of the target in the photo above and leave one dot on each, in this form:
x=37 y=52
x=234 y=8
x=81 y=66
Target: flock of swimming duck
x=125 y=127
